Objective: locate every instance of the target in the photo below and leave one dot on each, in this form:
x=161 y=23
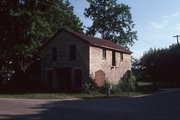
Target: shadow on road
x=161 y=106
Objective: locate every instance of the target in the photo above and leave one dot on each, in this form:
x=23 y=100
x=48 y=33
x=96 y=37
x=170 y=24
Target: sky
x=156 y=22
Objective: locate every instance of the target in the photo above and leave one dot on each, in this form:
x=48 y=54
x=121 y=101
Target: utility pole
x=177 y=36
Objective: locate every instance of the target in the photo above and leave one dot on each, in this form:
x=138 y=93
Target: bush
x=90 y=88
x=128 y=82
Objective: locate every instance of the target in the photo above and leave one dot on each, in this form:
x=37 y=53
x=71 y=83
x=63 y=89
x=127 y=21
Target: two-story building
x=70 y=59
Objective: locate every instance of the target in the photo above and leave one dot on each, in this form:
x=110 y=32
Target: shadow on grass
x=149 y=87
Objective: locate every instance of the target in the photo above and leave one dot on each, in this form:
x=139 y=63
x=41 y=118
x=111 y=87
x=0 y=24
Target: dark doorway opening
x=64 y=79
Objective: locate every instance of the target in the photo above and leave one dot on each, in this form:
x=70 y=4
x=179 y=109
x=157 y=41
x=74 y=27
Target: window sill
x=113 y=67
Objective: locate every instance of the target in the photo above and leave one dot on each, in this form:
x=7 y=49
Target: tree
x=25 y=25
x=113 y=21
x=160 y=64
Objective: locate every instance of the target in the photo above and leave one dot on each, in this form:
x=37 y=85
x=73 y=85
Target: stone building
x=70 y=59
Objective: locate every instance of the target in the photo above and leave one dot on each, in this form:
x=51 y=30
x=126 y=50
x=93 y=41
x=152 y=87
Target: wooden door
x=64 y=78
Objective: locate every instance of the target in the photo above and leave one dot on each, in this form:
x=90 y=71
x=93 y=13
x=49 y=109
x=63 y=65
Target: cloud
x=157 y=25
x=165 y=21
x=138 y=53
x=176 y=14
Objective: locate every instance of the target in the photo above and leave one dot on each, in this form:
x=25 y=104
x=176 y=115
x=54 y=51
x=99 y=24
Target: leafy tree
x=25 y=25
x=160 y=64
x=113 y=21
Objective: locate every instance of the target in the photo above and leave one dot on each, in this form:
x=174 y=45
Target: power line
x=149 y=43
x=147 y=16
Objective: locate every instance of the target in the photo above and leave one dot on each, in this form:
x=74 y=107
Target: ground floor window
x=49 y=78
x=78 y=78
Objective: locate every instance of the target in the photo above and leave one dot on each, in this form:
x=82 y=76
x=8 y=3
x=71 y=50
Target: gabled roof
x=94 y=41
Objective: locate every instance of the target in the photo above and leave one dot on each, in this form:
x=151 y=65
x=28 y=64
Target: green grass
x=147 y=87
x=64 y=96
x=141 y=83
x=144 y=88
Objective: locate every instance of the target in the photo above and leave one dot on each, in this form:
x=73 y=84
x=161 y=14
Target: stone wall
x=62 y=42
x=113 y=73
x=88 y=59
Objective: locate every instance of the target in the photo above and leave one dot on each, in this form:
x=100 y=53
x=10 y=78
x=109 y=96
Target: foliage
x=128 y=82
x=90 y=88
x=26 y=25
x=113 y=21
x=160 y=64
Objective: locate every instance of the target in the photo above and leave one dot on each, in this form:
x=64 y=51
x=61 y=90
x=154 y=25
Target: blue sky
x=157 y=21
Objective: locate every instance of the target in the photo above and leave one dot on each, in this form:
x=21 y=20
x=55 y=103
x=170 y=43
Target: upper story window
x=103 y=53
x=121 y=57
x=113 y=58
x=53 y=53
x=72 y=52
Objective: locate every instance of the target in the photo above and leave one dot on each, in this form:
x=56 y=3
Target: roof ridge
x=92 y=40
x=86 y=35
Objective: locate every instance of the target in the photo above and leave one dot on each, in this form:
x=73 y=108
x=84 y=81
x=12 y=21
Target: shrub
x=90 y=88
x=128 y=82
x=104 y=89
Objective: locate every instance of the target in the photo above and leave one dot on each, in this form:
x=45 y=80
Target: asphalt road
x=159 y=106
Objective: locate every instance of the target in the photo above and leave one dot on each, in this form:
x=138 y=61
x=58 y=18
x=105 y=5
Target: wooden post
x=109 y=90
x=177 y=36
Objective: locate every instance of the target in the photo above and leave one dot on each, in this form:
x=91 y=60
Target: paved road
x=159 y=106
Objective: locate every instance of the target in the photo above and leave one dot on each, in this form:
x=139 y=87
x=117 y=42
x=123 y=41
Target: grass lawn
x=144 y=88
x=141 y=83
x=63 y=95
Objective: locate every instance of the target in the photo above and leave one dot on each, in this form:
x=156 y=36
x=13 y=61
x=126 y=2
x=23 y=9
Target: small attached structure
x=70 y=59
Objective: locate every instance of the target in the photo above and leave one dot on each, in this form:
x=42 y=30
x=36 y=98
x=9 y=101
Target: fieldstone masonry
x=62 y=42
x=113 y=73
x=89 y=63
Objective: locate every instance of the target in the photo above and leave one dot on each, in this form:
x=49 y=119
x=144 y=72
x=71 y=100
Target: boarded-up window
x=72 y=52
x=53 y=53
x=100 y=78
x=113 y=58
x=78 y=78
x=49 y=78
x=103 y=53
x=121 y=57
